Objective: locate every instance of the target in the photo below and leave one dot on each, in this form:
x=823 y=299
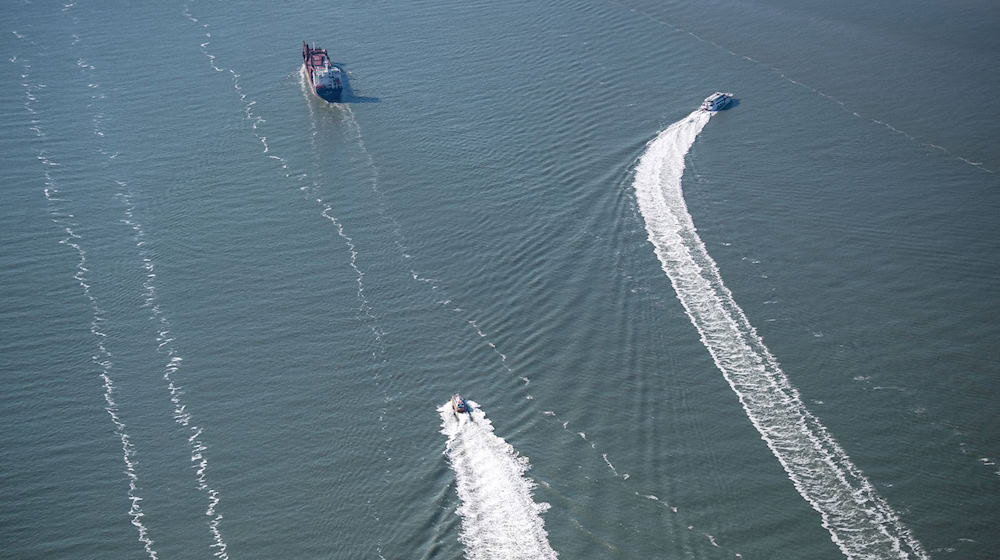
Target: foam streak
x=860 y=522
x=500 y=520
x=366 y=311
x=165 y=344
x=164 y=339
x=102 y=359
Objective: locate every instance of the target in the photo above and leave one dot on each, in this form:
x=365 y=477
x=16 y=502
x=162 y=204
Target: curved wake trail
x=102 y=358
x=860 y=522
x=500 y=520
x=445 y=301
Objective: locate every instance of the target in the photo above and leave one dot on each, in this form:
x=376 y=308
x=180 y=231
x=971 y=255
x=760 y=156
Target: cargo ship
x=325 y=79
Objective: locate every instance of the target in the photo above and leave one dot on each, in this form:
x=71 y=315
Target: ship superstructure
x=325 y=79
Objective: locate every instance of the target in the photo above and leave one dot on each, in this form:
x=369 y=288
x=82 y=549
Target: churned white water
x=860 y=521
x=500 y=519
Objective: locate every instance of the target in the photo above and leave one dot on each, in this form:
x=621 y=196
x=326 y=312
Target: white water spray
x=500 y=520
x=860 y=522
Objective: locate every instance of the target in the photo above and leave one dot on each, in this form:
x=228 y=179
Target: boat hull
x=330 y=95
x=325 y=79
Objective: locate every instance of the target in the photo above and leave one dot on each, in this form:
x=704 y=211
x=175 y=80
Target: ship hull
x=324 y=78
x=329 y=95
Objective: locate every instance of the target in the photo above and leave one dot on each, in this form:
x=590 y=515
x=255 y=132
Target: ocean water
x=232 y=314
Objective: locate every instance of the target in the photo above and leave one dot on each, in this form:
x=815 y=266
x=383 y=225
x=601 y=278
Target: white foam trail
x=165 y=345
x=102 y=358
x=163 y=338
x=608 y=463
x=365 y=308
x=860 y=521
x=500 y=520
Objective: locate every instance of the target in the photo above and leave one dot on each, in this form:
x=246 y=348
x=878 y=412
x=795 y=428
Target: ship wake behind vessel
x=325 y=79
x=501 y=520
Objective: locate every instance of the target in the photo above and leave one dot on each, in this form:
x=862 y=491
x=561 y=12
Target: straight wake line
x=257 y=122
x=366 y=311
x=163 y=337
x=378 y=354
x=102 y=358
x=500 y=520
x=165 y=344
x=860 y=522
x=365 y=307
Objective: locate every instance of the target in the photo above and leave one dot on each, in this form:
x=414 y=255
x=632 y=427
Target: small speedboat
x=459 y=404
x=717 y=101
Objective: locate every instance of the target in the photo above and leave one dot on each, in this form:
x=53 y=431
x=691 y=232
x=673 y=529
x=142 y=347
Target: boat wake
x=464 y=315
x=101 y=357
x=165 y=345
x=500 y=520
x=311 y=187
x=257 y=122
x=164 y=338
x=860 y=522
